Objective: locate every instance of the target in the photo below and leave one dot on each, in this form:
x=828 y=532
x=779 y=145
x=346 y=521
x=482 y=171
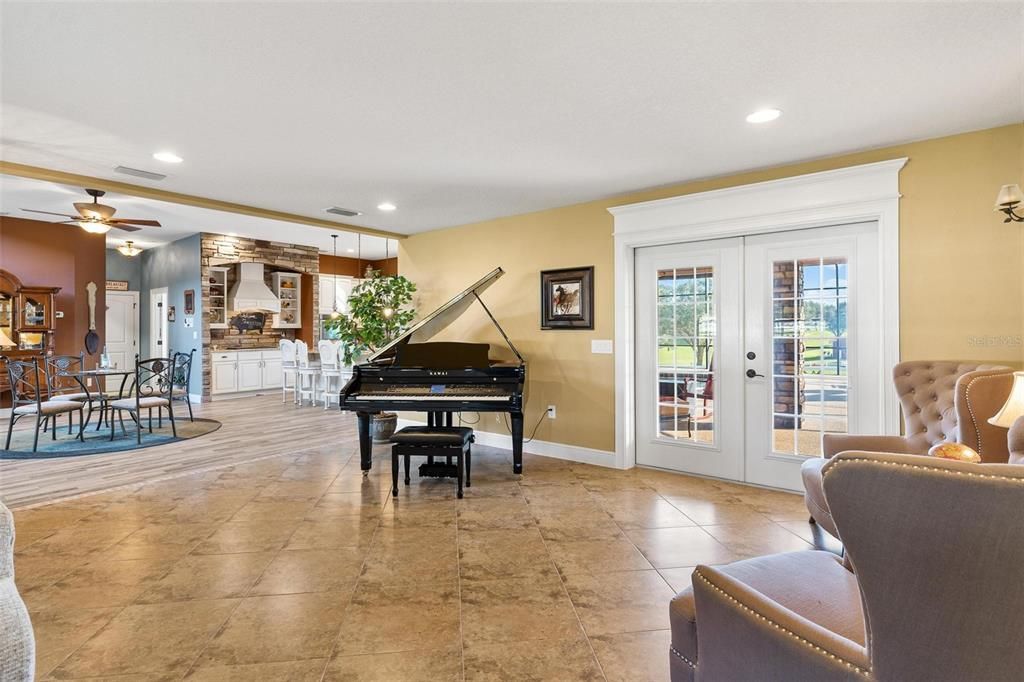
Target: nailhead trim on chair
x=970 y=407
x=857 y=669
x=684 y=658
x=969 y=474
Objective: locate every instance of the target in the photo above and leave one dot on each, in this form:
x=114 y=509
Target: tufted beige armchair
x=942 y=402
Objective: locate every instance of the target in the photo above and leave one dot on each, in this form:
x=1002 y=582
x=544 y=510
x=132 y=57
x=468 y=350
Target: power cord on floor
x=533 y=433
x=462 y=421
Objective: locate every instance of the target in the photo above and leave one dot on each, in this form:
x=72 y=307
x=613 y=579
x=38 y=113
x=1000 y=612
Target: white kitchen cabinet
x=288 y=289
x=224 y=375
x=335 y=288
x=250 y=371
x=245 y=371
x=272 y=370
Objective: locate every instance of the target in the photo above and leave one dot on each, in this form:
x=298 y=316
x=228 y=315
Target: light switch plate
x=601 y=346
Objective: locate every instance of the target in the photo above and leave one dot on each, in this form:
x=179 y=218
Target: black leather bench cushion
x=433 y=435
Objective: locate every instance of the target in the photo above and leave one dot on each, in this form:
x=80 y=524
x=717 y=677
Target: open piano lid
x=435 y=322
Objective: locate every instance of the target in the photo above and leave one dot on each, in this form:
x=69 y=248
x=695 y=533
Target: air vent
x=148 y=175
x=347 y=212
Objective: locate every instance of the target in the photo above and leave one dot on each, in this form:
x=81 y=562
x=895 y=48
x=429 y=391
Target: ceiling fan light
x=94 y=227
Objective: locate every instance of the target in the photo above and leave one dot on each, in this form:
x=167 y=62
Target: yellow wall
x=961 y=285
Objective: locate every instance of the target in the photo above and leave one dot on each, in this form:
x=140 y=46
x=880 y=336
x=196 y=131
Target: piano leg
x=365 y=444
x=517 y=442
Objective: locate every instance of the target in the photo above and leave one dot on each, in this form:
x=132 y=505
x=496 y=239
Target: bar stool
x=331 y=371
x=288 y=369
x=308 y=373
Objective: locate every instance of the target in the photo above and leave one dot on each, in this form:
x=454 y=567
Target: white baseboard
x=572 y=453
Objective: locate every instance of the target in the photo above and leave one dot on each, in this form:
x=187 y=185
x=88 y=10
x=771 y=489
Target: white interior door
x=813 y=343
x=688 y=382
x=122 y=331
x=749 y=349
x=158 y=323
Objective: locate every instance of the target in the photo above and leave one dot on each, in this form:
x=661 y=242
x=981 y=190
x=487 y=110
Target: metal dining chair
x=28 y=386
x=181 y=378
x=63 y=386
x=152 y=388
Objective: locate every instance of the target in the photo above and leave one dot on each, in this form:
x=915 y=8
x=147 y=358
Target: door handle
x=751 y=374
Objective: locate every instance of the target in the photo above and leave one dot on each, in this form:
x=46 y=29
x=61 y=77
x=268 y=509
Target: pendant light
x=388 y=310
x=334 y=280
x=129 y=249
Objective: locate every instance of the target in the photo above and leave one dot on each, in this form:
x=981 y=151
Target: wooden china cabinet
x=27 y=320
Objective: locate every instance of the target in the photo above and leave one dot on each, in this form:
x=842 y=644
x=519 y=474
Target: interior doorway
x=750 y=349
x=158 y=326
x=122 y=330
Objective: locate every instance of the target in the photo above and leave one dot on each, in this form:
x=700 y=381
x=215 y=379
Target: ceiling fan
x=98 y=218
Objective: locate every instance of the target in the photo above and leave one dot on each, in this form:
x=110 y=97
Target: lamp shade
x=5 y=341
x=1014 y=406
x=1009 y=195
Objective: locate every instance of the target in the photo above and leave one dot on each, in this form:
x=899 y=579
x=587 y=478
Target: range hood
x=250 y=293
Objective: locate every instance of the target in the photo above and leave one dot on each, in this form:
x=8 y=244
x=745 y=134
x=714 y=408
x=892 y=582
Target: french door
x=750 y=349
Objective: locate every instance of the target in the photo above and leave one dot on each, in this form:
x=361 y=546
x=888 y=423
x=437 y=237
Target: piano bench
x=433 y=441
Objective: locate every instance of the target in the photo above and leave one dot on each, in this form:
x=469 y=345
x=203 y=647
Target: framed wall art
x=567 y=298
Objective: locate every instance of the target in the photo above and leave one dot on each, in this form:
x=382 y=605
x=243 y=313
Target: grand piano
x=440 y=378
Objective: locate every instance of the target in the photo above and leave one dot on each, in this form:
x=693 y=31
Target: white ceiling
x=176 y=220
x=461 y=112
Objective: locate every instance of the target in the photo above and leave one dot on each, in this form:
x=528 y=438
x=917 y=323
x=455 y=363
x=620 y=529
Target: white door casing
x=122 y=331
x=856 y=194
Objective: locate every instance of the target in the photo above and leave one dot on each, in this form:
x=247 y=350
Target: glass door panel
x=686 y=343
x=809 y=342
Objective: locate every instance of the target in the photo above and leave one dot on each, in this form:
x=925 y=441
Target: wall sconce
x=1009 y=198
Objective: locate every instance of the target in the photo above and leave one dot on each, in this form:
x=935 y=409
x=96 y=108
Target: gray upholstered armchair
x=942 y=402
x=17 y=642
x=935 y=594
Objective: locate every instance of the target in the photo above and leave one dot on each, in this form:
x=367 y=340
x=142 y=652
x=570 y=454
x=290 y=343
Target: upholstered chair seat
x=795 y=581
x=942 y=402
x=144 y=403
x=934 y=592
x=72 y=396
x=50 y=407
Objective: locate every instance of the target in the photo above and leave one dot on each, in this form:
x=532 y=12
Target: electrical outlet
x=551 y=412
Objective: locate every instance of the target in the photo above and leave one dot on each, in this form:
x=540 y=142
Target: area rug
x=96 y=442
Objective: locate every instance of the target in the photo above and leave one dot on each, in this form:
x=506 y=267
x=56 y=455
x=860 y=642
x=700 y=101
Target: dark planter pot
x=382 y=426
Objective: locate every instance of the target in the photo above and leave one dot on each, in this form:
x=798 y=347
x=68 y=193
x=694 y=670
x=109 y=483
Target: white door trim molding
x=869 y=192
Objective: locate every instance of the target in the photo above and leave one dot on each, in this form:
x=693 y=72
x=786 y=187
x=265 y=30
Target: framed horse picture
x=567 y=298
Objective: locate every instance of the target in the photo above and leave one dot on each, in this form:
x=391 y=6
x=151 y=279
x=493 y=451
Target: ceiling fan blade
x=147 y=223
x=32 y=210
x=126 y=228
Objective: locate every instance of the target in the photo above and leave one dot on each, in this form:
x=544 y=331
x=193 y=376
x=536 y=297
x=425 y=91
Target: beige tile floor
x=299 y=568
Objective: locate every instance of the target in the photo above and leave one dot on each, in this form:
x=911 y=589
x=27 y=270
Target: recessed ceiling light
x=351 y=250
x=167 y=157
x=386 y=206
x=763 y=115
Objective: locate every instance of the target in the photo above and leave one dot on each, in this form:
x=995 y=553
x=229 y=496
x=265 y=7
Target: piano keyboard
x=430 y=396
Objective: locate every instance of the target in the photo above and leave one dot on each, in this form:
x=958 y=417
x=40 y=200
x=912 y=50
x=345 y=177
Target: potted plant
x=378 y=312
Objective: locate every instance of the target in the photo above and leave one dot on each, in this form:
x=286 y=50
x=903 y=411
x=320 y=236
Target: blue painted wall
x=125 y=269
x=177 y=267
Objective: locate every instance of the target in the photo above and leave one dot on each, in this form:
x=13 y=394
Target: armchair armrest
x=744 y=635
x=834 y=443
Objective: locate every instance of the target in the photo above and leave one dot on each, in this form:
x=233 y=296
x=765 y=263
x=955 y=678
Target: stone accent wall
x=219 y=250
